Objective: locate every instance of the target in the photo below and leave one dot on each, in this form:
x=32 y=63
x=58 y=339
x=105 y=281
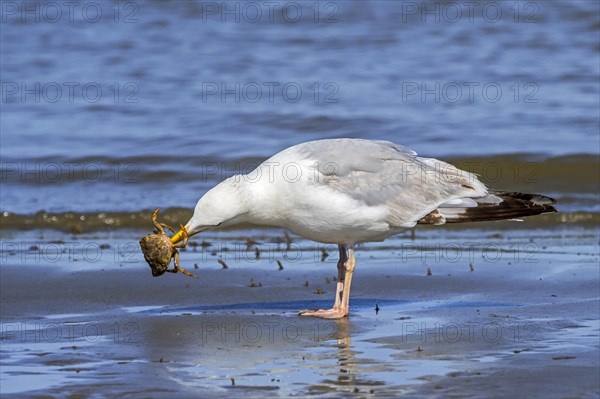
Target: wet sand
x=521 y=323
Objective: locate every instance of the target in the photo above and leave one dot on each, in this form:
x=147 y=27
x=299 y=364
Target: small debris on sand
x=324 y=254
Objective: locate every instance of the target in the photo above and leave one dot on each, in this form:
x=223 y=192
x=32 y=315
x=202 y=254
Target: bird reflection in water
x=350 y=365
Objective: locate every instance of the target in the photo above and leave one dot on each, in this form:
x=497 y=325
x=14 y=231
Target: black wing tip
x=537 y=199
x=513 y=205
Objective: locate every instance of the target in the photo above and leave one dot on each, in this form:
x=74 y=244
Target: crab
x=158 y=249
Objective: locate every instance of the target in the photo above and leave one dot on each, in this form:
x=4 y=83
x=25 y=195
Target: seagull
x=348 y=191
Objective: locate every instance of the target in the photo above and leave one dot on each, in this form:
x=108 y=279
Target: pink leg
x=341 y=305
x=350 y=265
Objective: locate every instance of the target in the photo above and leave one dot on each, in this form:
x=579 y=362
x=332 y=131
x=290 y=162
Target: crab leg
x=168 y=227
x=182 y=245
x=179 y=268
x=155 y=223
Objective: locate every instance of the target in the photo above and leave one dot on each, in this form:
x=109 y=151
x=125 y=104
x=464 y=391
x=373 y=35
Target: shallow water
x=266 y=350
x=150 y=130
x=495 y=305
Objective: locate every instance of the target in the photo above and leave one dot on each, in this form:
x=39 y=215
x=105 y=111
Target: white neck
x=224 y=205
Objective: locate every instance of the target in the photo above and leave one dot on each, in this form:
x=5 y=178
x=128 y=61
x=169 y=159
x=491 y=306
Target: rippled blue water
x=166 y=86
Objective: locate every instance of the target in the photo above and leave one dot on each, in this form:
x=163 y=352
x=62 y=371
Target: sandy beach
x=520 y=322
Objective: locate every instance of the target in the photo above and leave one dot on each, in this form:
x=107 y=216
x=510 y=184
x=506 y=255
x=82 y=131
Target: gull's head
x=223 y=205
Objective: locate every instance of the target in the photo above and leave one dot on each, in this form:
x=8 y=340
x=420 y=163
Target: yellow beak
x=179 y=235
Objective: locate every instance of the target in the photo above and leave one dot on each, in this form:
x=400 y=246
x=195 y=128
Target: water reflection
x=355 y=370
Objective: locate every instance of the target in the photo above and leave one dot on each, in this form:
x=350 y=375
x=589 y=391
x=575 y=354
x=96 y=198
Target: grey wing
x=381 y=173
